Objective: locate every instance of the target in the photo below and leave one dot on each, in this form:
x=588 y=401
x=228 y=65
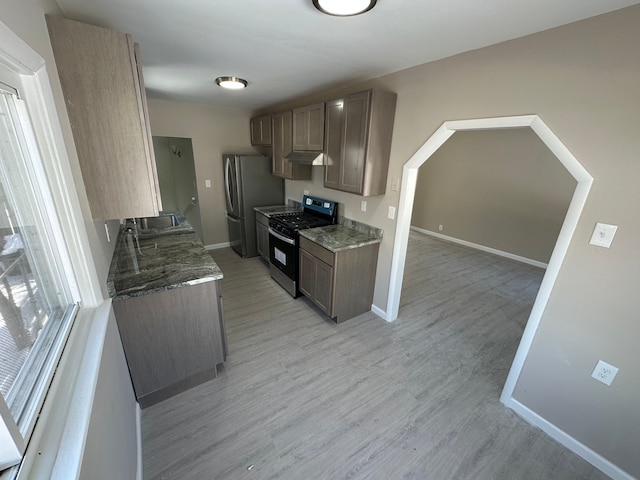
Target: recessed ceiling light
x=232 y=83
x=344 y=8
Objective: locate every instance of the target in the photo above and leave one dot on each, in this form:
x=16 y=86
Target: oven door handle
x=279 y=236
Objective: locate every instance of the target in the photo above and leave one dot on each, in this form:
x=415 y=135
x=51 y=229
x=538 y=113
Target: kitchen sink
x=163 y=221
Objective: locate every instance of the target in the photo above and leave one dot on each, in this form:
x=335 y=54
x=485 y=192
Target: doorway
x=407 y=195
x=500 y=191
x=177 y=178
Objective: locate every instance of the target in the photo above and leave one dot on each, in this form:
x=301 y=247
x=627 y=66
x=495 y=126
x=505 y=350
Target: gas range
x=316 y=213
x=284 y=241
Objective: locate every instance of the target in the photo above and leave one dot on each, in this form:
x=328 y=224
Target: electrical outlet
x=604 y=372
x=441 y=227
x=207 y=183
x=363 y=205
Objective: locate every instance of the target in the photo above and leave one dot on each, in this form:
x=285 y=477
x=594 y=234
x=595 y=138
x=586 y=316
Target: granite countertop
x=276 y=209
x=348 y=234
x=159 y=259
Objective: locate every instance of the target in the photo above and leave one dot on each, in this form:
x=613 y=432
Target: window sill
x=56 y=446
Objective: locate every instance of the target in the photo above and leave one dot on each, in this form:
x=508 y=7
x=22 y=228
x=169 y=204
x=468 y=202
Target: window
x=37 y=305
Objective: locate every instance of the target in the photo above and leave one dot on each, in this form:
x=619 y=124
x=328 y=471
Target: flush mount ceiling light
x=232 y=83
x=344 y=8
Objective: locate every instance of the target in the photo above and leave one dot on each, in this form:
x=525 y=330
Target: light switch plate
x=391 y=213
x=207 y=183
x=603 y=235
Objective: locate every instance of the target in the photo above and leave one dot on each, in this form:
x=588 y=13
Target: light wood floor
x=302 y=398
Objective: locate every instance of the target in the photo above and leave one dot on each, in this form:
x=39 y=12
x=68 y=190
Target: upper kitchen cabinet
x=283 y=146
x=261 y=131
x=308 y=128
x=358 y=130
x=102 y=83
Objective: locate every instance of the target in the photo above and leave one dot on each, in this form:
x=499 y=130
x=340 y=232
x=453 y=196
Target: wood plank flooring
x=302 y=398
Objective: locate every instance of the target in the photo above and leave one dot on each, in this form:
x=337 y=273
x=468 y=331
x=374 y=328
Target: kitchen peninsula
x=168 y=307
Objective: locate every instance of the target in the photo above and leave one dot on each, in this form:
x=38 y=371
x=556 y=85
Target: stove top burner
x=300 y=220
x=316 y=213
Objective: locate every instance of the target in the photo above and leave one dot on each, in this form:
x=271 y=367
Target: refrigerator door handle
x=227 y=182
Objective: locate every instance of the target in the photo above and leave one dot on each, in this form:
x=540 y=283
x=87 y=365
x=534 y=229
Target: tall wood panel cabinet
x=358 y=130
x=103 y=88
x=282 y=145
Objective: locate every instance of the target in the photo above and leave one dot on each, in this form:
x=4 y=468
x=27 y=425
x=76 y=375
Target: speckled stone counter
x=277 y=209
x=159 y=259
x=343 y=236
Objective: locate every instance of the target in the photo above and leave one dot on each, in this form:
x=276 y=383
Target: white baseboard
x=477 y=246
x=568 y=441
x=217 y=246
x=139 y=472
x=379 y=312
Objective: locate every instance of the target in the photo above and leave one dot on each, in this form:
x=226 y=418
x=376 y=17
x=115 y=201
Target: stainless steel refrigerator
x=248 y=183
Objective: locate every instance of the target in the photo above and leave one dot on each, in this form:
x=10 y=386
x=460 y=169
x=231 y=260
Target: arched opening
x=407 y=195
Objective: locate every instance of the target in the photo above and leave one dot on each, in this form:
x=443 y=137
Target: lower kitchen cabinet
x=339 y=283
x=262 y=235
x=173 y=339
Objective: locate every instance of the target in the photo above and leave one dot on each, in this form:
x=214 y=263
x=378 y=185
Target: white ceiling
x=286 y=48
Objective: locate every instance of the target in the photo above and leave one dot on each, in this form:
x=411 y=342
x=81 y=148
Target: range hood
x=306 y=158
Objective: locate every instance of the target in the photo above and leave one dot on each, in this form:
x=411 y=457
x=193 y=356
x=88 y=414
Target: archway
x=405 y=207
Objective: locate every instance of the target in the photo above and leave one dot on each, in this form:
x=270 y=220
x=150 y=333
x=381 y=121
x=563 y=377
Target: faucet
x=131 y=228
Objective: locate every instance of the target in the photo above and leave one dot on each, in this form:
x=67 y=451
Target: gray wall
x=582 y=80
x=111 y=446
x=213 y=131
x=502 y=189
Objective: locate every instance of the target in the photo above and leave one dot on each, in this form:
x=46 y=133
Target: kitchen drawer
x=317 y=251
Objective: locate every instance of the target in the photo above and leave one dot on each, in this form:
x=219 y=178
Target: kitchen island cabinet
x=168 y=307
x=339 y=279
x=283 y=146
x=101 y=78
x=358 y=130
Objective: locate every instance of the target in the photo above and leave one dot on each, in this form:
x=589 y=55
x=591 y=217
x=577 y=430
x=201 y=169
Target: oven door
x=283 y=253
